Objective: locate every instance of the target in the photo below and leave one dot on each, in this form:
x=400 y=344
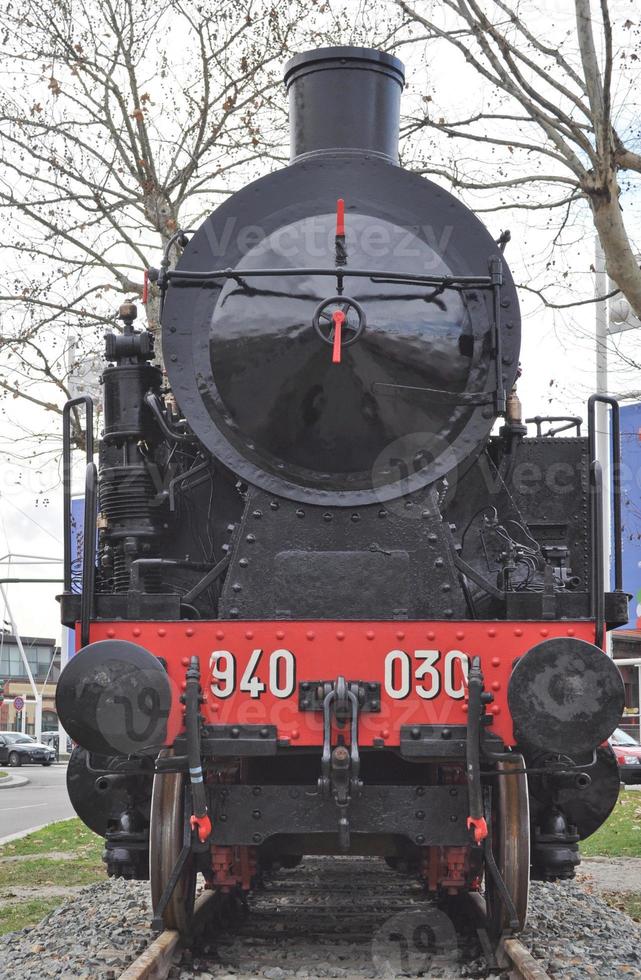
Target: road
x=42 y=800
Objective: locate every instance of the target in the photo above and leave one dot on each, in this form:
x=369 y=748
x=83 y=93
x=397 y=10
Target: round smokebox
x=565 y=696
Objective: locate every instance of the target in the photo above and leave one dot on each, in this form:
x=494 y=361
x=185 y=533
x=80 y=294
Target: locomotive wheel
x=166 y=835
x=510 y=842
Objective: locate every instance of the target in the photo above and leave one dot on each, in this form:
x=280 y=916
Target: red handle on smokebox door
x=340 y=218
x=338 y=319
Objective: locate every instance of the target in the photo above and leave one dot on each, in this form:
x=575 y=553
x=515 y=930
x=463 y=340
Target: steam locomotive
x=324 y=604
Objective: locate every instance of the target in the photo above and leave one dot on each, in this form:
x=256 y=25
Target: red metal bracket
x=203 y=824
x=480 y=828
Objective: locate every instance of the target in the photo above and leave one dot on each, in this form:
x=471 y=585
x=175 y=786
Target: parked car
x=51 y=739
x=628 y=754
x=17 y=749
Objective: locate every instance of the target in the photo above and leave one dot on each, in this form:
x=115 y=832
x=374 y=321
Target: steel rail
x=155 y=962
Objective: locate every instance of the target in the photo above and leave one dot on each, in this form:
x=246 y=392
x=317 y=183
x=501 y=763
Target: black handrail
x=616 y=474
x=89 y=551
x=87 y=401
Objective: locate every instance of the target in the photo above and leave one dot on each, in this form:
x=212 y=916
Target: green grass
x=68 y=835
x=620 y=835
x=3 y=774
x=43 y=871
x=17 y=915
x=81 y=866
x=628 y=902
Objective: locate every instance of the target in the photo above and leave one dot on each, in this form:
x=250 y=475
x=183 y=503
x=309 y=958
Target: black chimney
x=344 y=98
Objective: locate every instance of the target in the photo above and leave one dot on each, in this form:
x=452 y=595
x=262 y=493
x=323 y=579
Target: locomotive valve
x=339 y=321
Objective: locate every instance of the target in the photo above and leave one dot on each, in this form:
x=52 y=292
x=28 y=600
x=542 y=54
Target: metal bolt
x=250 y=538
x=256 y=814
x=432 y=538
x=235 y=732
x=300 y=512
x=223 y=817
x=439 y=563
x=420 y=791
x=244 y=562
x=274 y=504
x=304 y=704
x=420 y=838
x=327 y=516
x=237 y=587
x=257 y=838
x=453 y=818
x=453 y=791
x=420 y=814
x=415 y=733
x=446 y=733
x=264 y=733
x=256 y=791
x=382 y=513
x=375 y=705
x=356 y=518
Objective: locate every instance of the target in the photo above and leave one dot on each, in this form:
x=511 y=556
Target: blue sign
x=631 y=508
x=77 y=538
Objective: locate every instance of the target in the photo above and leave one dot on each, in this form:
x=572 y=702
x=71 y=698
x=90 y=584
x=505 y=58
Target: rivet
x=544 y=632
x=448 y=613
x=446 y=587
x=420 y=814
x=356 y=518
x=453 y=818
x=174 y=358
x=189 y=631
x=340 y=635
x=439 y=563
x=496 y=686
x=136 y=631
x=425 y=513
x=256 y=814
x=235 y=732
x=384 y=732
x=256 y=791
x=220 y=635
x=162 y=631
x=420 y=839
x=420 y=791
x=274 y=504
x=280 y=634
x=495 y=709
x=432 y=538
x=518 y=631
x=400 y=635
x=234 y=612
x=464 y=707
x=496 y=661
x=491 y=632
x=300 y=512
x=460 y=635
x=415 y=733
x=310 y=634
x=244 y=562
x=250 y=538
x=370 y=634
x=295 y=734
x=111 y=632
x=249 y=634
x=327 y=516
x=237 y=587
x=264 y=732
x=257 y=838
x=257 y=514
x=184 y=661
x=431 y=635
x=571 y=631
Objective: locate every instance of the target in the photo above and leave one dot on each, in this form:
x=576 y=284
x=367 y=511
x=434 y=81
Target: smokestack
x=344 y=99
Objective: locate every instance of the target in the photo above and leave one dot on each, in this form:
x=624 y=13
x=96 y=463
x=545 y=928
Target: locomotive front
x=330 y=612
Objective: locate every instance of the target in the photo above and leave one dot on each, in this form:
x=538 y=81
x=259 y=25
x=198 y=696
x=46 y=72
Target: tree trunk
x=621 y=264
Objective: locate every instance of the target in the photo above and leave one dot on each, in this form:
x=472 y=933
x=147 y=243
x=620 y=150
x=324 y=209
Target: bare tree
x=119 y=123
x=557 y=118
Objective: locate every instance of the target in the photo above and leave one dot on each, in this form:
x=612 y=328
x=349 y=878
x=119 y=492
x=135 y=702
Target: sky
x=557 y=353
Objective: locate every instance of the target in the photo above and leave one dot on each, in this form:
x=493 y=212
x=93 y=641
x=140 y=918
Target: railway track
x=339 y=917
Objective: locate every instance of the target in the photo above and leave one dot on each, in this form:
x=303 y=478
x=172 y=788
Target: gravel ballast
x=327 y=918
